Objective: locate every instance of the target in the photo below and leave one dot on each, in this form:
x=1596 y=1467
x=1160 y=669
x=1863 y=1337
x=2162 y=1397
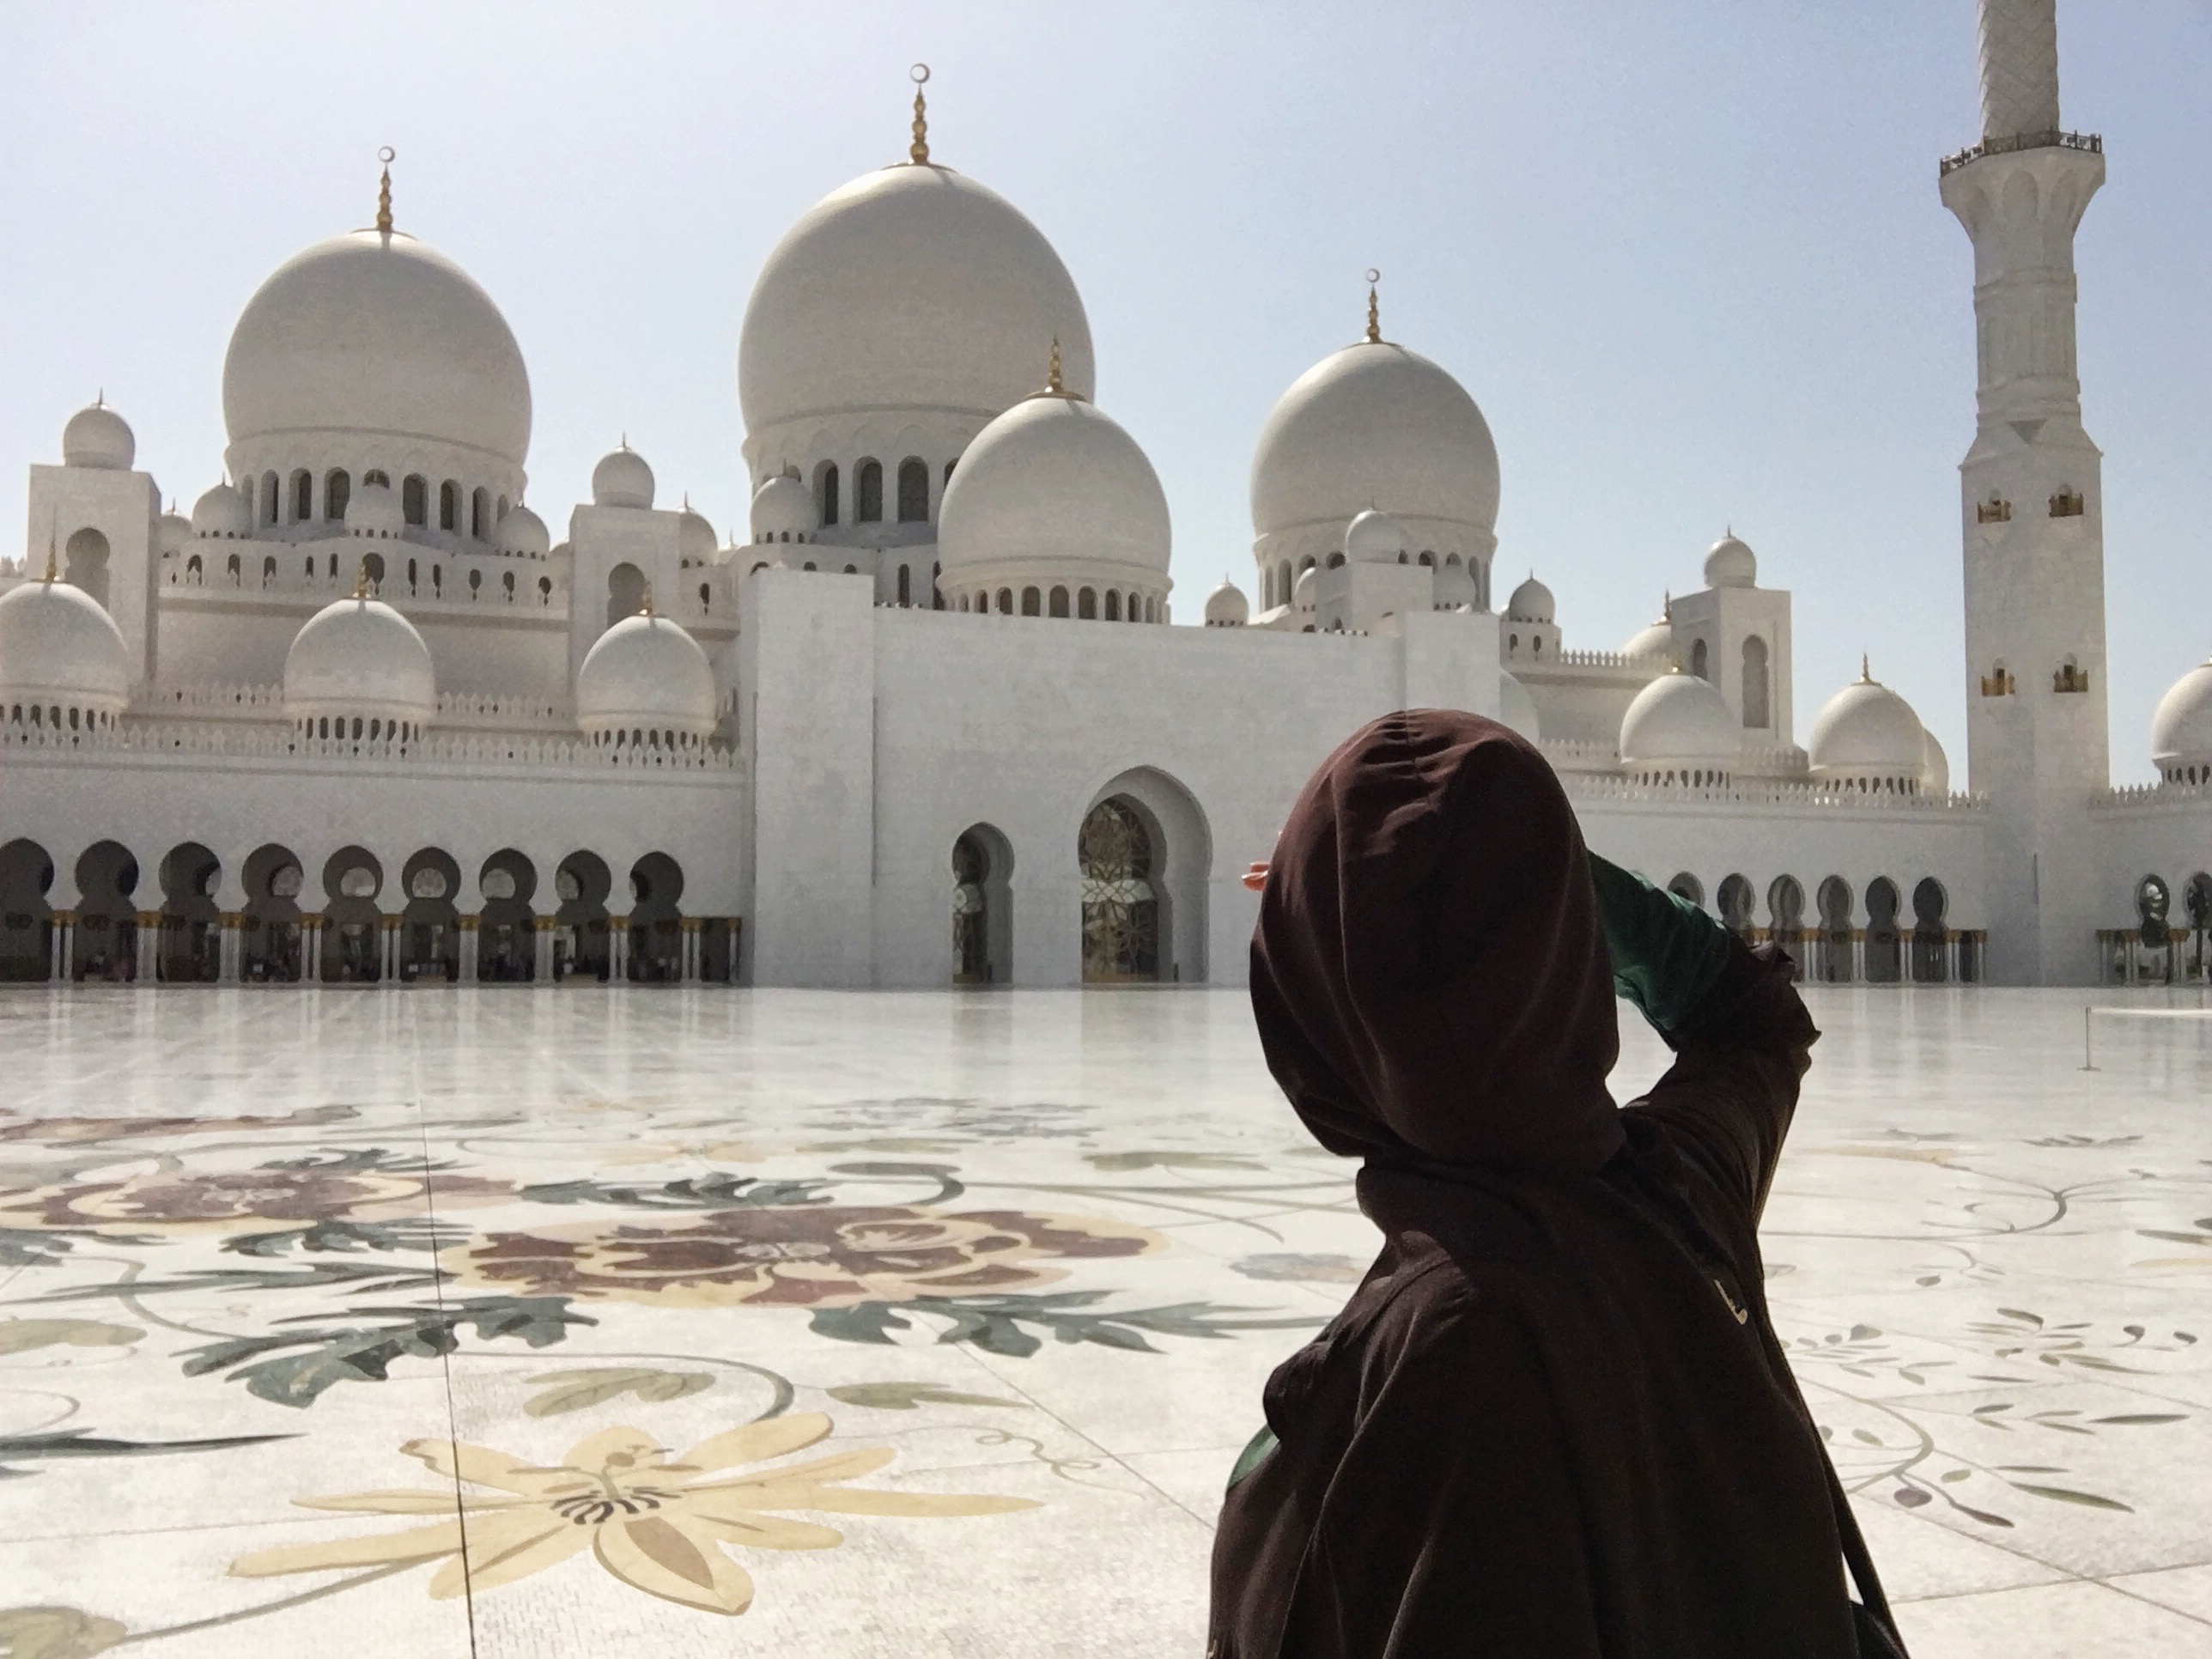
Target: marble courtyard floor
x=511 y=1322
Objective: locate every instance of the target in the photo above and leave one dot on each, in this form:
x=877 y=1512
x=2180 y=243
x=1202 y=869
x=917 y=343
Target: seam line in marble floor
x=2163 y=1607
x=438 y=1295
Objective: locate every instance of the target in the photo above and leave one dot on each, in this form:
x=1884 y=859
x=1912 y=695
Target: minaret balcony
x=2050 y=138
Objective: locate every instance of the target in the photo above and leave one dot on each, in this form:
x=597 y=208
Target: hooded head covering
x=1428 y=973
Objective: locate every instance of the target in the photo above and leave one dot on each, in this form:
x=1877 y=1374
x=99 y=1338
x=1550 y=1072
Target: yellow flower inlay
x=654 y=1521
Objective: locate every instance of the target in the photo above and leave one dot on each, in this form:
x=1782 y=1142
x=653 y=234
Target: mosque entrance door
x=971 y=935
x=1120 y=910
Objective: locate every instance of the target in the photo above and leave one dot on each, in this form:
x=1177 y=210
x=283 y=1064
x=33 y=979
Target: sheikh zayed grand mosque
x=930 y=717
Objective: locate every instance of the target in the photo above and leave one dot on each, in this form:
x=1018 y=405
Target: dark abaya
x=1552 y=1420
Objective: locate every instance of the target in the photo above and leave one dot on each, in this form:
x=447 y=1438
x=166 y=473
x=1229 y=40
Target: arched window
x=913 y=491
x=1282 y=579
x=1059 y=606
x=1755 y=683
x=1113 y=605
x=1428 y=559
x=337 y=491
x=449 y=505
x=1005 y=601
x=868 y=497
x=414 y=499
x=625 y=592
x=1032 y=602
x=1885 y=963
x=480 y=513
x=87 y=562
x=1115 y=853
x=1687 y=886
x=1785 y=913
x=1735 y=899
x=1699 y=663
x=503 y=509
x=268 y=570
x=1336 y=561
x=1087 y=605
x=830 y=493
x=377 y=475
x=303 y=497
x=273 y=498
x=1929 y=902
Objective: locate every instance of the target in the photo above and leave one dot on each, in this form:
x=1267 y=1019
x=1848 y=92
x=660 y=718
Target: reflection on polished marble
x=518 y=1322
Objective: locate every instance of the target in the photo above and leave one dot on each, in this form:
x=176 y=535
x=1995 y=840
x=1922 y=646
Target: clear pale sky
x=1688 y=258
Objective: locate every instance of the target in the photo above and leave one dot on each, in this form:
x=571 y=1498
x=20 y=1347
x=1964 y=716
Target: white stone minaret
x=2032 y=510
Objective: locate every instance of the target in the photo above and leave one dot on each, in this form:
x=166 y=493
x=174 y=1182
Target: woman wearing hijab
x=1553 y=1419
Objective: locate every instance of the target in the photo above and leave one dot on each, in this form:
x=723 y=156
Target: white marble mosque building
x=926 y=720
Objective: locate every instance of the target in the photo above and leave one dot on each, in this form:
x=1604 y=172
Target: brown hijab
x=1428 y=973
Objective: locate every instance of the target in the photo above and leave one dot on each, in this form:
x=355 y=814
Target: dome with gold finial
x=1867 y=739
x=370 y=342
x=912 y=290
x=646 y=680
x=357 y=669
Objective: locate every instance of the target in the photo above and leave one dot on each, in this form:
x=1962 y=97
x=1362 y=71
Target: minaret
x=2032 y=511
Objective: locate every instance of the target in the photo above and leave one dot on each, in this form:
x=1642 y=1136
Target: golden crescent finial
x=53 y=570
x=1051 y=380
x=918 y=151
x=388 y=155
x=1374 y=307
x=360 y=581
x=1865 y=673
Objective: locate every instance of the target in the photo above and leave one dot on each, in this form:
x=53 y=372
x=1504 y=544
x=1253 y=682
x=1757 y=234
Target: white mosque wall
x=2162 y=830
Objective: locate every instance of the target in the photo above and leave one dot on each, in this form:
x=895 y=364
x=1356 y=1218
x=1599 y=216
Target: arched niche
x=1178 y=845
x=27 y=874
x=191 y=926
x=982 y=907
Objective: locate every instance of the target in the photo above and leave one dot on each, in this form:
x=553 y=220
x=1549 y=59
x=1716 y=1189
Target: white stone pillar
x=227 y=954
x=469 y=950
x=542 y=967
x=59 y=970
x=618 y=950
x=688 y=974
x=149 y=944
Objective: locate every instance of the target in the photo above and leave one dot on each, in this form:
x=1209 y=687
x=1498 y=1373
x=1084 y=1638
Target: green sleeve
x=1667 y=953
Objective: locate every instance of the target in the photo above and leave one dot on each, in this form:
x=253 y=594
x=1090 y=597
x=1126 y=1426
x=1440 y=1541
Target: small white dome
x=1374 y=538
x=1867 y=732
x=696 y=541
x=2181 y=728
x=374 y=333
x=1054 y=478
x=97 y=436
x=1302 y=590
x=645 y=674
x=1518 y=709
x=1227 y=607
x=59 y=648
x=1730 y=564
x=912 y=288
x=171 y=531
x=358 y=658
x=1935 y=766
x=1531 y=602
x=622 y=479
x=1455 y=585
x=223 y=511
x=372 y=509
x=783 y=510
x=1677 y=720
x=1657 y=641
x=1371 y=423
x=522 y=534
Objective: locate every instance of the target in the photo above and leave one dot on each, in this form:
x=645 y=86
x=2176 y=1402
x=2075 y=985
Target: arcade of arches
x=376 y=924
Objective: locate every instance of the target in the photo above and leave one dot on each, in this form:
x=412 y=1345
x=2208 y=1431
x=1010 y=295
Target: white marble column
x=542 y=969
x=687 y=972
x=149 y=944
x=618 y=950
x=469 y=950
x=59 y=969
x=226 y=955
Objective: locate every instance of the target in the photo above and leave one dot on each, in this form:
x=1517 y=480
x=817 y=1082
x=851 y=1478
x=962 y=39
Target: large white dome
x=1373 y=425
x=1054 y=479
x=1868 y=734
x=59 y=649
x=374 y=333
x=1678 y=721
x=1656 y=640
x=910 y=288
x=358 y=659
x=645 y=674
x=2181 y=728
